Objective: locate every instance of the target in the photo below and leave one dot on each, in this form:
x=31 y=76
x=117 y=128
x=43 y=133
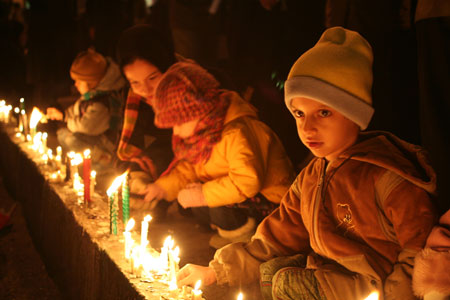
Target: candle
x=35 y=117
x=44 y=140
x=126 y=199
x=93 y=181
x=128 y=238
x=45 y=158
x=114 y=203
x=87 y=176
x=240 y=296
x=196 y=292
x=144 y=231
x=76 y=160
x=373 y=296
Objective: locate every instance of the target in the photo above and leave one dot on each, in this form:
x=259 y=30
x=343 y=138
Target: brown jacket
x=361 y=220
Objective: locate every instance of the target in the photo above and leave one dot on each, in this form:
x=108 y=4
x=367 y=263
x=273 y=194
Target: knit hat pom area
x=185 y=93
x=88 y=66
x=337 y=72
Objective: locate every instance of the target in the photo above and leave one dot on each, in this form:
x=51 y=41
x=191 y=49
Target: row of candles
x=143 y=262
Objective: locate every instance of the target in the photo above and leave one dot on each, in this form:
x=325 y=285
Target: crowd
x=187 y=98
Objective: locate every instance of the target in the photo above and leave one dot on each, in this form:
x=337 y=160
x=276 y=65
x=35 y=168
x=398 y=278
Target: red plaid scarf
x=197 y=148
x=129 y=152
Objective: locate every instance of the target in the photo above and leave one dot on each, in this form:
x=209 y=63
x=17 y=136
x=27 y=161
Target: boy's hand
x=192 y=196
x=54 y=114
x=190 y=274
x=154 y=192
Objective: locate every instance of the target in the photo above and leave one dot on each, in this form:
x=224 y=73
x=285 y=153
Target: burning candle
x=93 y=181
x=196 y=292
x=76 y=160
x=35 y=117
x=240 y=296
x=144 y=231
x=87 y=176
x=126 y=199
x=128 y=238
x=114 y=203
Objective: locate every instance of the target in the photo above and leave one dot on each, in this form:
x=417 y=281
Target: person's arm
x=182 y=174
x=411 y=213
x=94 y=121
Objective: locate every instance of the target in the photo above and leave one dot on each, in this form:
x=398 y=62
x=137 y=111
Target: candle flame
x=71 y=155
x=36 y=116
x=240 y=296
x=168 y=242
x=115 y=185
x=373 y=296
x=76 y=160
x=87 y=153
x=16 y=110
x=44 y=136
x=147 y=218
x=130 y=224
x=197 y=285
x=93 y=174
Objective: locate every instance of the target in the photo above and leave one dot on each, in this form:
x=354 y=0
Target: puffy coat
x=361 y=219
x=249 y=159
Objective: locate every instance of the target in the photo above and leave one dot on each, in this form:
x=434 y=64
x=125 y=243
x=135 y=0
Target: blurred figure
x=94 y=120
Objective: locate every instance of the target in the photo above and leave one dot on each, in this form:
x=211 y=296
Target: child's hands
x=189 y=274
x=54 y=114
x=154 y=192
x=192 y=196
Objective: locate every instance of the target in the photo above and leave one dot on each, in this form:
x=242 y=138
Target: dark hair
x=142 y=41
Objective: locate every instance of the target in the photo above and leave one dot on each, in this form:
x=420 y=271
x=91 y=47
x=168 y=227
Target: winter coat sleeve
x=182 y=174
x=280 y=234
x=93 y=121
x=410 y=212
x=246 y=169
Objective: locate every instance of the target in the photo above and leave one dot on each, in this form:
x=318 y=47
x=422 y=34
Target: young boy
x=356 y=216
x=94 y=120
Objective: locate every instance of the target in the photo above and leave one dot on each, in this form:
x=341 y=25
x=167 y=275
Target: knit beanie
x=88 y=66
x=185 y=93
x=337 y=72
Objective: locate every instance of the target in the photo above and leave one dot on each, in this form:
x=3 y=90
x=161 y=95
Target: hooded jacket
x=98 y=110
x=249 y=159
x=360 y=220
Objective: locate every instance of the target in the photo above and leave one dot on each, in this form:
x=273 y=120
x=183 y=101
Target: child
x=94 y=120
x=431 y=278
x=356 y=216
x=229 y=166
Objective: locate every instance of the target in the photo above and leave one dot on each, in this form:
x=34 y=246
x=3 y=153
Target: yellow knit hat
x=88 y=66
x=337 y=72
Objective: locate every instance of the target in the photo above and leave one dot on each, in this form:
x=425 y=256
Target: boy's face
x=325 y=131
x=185 y=130
x=143 y=77
x=82 y=86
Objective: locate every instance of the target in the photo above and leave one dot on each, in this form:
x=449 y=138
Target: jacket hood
x=385 y=150
x=238 y=107
x=113 y=79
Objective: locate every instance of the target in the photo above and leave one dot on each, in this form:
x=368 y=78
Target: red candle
x=87 y=176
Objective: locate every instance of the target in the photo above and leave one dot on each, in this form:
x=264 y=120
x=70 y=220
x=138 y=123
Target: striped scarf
x=127 y=151
x=198 y=147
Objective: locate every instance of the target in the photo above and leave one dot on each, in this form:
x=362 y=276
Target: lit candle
x=240 y=296
x=373 y=296
x=128 y=238
x=196 y=292
x=35 y=117
x=144 y=231
x=44 y=140
x=45 y=158
x=114 y=203
x=74 y=162
x=93 y=181
x=125 y=199
x=87 y=176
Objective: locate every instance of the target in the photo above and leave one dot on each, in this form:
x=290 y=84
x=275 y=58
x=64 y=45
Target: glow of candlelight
x=59 y=151
x=76 y=160
x=144 y=230
x=36 y=116
x=240 y=296
x=16 y=110
x=197 y=285
x=116 y=184
x=128 y=239
x=87 y=153
x=196 y=292
x=373 y=296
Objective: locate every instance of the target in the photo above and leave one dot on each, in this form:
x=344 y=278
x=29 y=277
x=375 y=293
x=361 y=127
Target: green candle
x=113 y=208
x=125 y=200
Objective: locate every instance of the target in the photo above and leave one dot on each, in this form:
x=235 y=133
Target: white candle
x=93 y=181
x=196 y=292
x=144 y=231
x=128 y=238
